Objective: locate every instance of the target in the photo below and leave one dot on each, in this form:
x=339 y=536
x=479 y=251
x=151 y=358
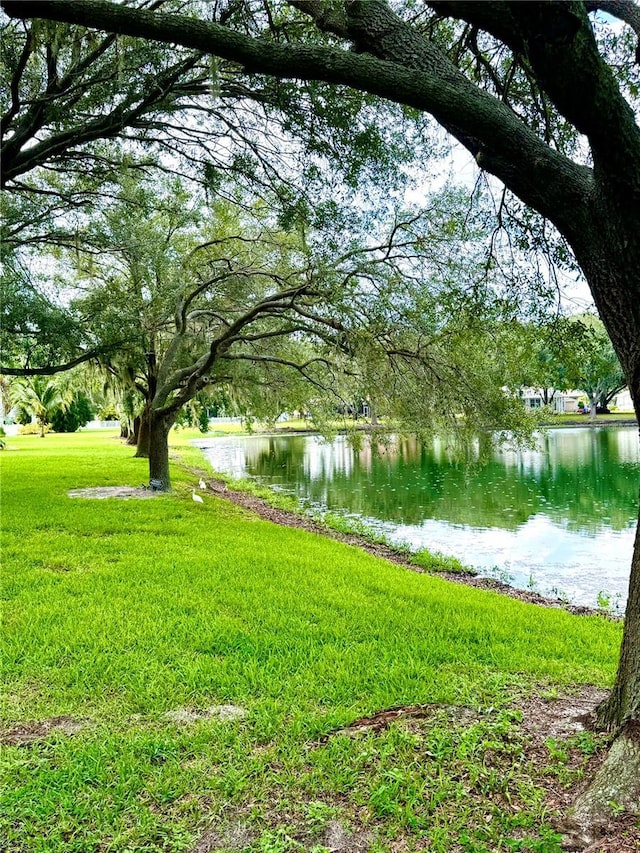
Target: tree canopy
x=597 y=371
x=522 y=86
x=214 y=298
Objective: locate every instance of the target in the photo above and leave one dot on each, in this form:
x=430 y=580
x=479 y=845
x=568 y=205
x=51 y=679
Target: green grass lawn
x=117 y=612
x=576 y=419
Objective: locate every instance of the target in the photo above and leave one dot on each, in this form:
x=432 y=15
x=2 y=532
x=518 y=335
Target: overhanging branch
x=504 y=145
x=49 y=370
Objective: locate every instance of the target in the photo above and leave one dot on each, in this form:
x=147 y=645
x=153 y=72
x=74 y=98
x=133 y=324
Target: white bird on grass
x=202 y=485
x=195 y=497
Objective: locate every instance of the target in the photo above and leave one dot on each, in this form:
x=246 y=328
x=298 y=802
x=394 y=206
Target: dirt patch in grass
x=122 y=492
x=235 y=836
x=546 y=742
x=542 y=718
x=339 y=840
x=31 y=732
x=334 y=837
x=224 y=713
x=563 y=716
x=379 y=549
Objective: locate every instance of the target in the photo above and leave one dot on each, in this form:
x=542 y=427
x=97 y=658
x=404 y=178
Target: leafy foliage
x=598 y=370
x=40 y=397
x=78 y=412
x=35 y=329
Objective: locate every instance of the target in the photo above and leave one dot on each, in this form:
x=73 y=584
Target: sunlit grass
x=117 y=611
x=584 y=420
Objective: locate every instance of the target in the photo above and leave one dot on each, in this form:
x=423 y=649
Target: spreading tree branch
x=49 y=370
x=418 y=75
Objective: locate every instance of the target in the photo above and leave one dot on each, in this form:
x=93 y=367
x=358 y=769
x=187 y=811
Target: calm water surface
x=560 y=519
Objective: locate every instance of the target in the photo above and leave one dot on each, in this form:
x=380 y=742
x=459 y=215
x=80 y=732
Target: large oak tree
x=526 y=89
x=214 y=298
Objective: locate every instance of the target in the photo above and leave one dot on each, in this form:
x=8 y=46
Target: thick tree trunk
x=615 y=284
x=143 y=436
x=134 y=432
x=610 y=258
x=159 y=450
x=623 y=704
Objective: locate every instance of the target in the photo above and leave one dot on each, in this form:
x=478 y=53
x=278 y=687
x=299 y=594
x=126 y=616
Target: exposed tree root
x=615 y=789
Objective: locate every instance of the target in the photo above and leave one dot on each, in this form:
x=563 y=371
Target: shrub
x=32 y=429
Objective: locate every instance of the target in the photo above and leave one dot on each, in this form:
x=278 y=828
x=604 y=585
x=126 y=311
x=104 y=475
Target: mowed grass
x=119 y=611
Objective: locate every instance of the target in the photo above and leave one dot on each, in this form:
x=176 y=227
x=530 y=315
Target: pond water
x=559 y=519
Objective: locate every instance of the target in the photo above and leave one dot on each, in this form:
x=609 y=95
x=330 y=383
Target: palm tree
x=40 y=396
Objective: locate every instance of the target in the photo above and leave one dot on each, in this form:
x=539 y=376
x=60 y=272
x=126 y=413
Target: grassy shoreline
x=613 y=420
x=130 y=624
x=303 y=427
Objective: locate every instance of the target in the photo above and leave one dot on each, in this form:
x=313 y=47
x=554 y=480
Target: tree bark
x=143 y=436
x=614 y=281
x=616 y=785
x=623 y=703
x=159 y=427
x=134 y=431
